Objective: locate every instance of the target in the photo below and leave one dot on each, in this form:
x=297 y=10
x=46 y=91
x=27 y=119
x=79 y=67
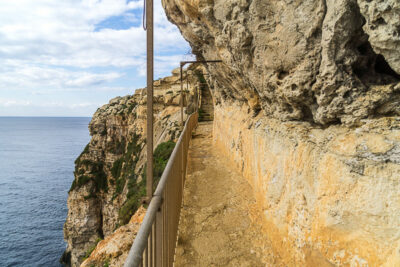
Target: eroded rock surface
x=114 y=249
x=329 y=197
x=383 y=27
x=307 y=104
x=298 y=60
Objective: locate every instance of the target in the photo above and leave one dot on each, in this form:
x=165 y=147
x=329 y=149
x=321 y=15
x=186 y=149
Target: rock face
x=383 y=27
x=114 y=249
x=109 y=175
x=330 y=197
x=307 y=104
x=298 y=60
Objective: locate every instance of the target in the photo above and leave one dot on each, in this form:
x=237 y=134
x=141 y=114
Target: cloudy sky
x=66 y=58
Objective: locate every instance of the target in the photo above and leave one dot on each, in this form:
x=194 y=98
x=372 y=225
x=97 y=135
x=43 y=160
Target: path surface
x=216 y=228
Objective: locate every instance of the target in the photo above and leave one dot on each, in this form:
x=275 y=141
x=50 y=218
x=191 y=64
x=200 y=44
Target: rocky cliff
x=307 y=104
x=322 y=61
x=109 y=175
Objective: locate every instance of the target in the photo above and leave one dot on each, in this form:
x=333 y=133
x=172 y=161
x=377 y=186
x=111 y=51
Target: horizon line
x=22 y=116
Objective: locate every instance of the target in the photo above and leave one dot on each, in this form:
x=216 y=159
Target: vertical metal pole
x=181 y=97
x=150 y=76
x=187 y=88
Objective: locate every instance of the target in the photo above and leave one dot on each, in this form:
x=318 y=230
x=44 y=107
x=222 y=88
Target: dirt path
x=216 y=227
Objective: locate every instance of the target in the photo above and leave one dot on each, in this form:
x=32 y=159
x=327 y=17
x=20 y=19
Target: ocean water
x=36 y=171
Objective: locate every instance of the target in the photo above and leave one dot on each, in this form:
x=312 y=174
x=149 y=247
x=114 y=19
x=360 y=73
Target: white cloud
x=54 y=104
x=31 y=76
x=13 y=102
x=90 y=79
x=49 y=46
x=63 y=33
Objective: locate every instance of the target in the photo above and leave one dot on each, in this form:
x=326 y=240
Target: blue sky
x=66 y=58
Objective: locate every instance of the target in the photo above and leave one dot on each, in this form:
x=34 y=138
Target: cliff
x=306 y=104
x=110 y=173
x=314 y=60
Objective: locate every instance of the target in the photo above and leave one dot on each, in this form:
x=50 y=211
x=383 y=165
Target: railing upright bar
x=164 y=246
x=152 y=246
x=156 y=240
x=146 y=255
x=144 y=260
x=166 y=224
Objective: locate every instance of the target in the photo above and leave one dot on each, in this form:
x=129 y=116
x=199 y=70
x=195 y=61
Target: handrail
x=155 y=242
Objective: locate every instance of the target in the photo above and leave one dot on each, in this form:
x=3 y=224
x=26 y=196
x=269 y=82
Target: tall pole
x=150 y=76
x=182 y=96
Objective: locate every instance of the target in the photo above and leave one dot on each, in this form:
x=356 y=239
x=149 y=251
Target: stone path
x=216 y=227
x=207 y=106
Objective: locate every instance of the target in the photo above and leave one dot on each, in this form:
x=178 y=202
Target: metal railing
x=156 y=240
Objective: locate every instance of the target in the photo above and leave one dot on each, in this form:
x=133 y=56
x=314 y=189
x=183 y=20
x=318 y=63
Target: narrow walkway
x=216 y=228
x=207 y=108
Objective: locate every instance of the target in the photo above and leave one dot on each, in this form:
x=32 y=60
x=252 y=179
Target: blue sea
x=36 y=171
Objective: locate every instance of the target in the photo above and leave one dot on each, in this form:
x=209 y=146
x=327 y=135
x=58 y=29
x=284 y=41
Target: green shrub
x=200 y=76
x=96 y=174
x=201 y=112
x=91 y=249
x=86 y=162
x=82 y=180
x=131 y=107
x=117 y=167
x=161 y=157
x=127 y=210
x=91 y=195
x=136 y=191
x=85 y=150
x=117 y=147
x=119 y=185
x=100 y=180
x=125 y=166
x=73 y=185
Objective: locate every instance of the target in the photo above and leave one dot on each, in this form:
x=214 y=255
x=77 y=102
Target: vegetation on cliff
x=137 y=189
x=123 y=169
x=89 y=171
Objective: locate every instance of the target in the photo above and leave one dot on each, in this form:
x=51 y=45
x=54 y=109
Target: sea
x=37 y=157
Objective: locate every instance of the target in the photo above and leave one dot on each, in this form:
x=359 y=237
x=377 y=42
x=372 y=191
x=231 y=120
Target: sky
x=69 y=57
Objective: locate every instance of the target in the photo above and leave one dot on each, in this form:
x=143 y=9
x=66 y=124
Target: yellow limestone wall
x=330 y=197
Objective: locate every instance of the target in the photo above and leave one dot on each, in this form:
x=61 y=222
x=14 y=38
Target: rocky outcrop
x=297 y=60
x=383 y=27
x=306 y=103
x=109 y=175
x=114 y=249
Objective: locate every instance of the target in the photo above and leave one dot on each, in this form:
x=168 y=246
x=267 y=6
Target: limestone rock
x=114 y=249
x=330 y=197
x=307 y=107
x=383 y=27
x=297 y=60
